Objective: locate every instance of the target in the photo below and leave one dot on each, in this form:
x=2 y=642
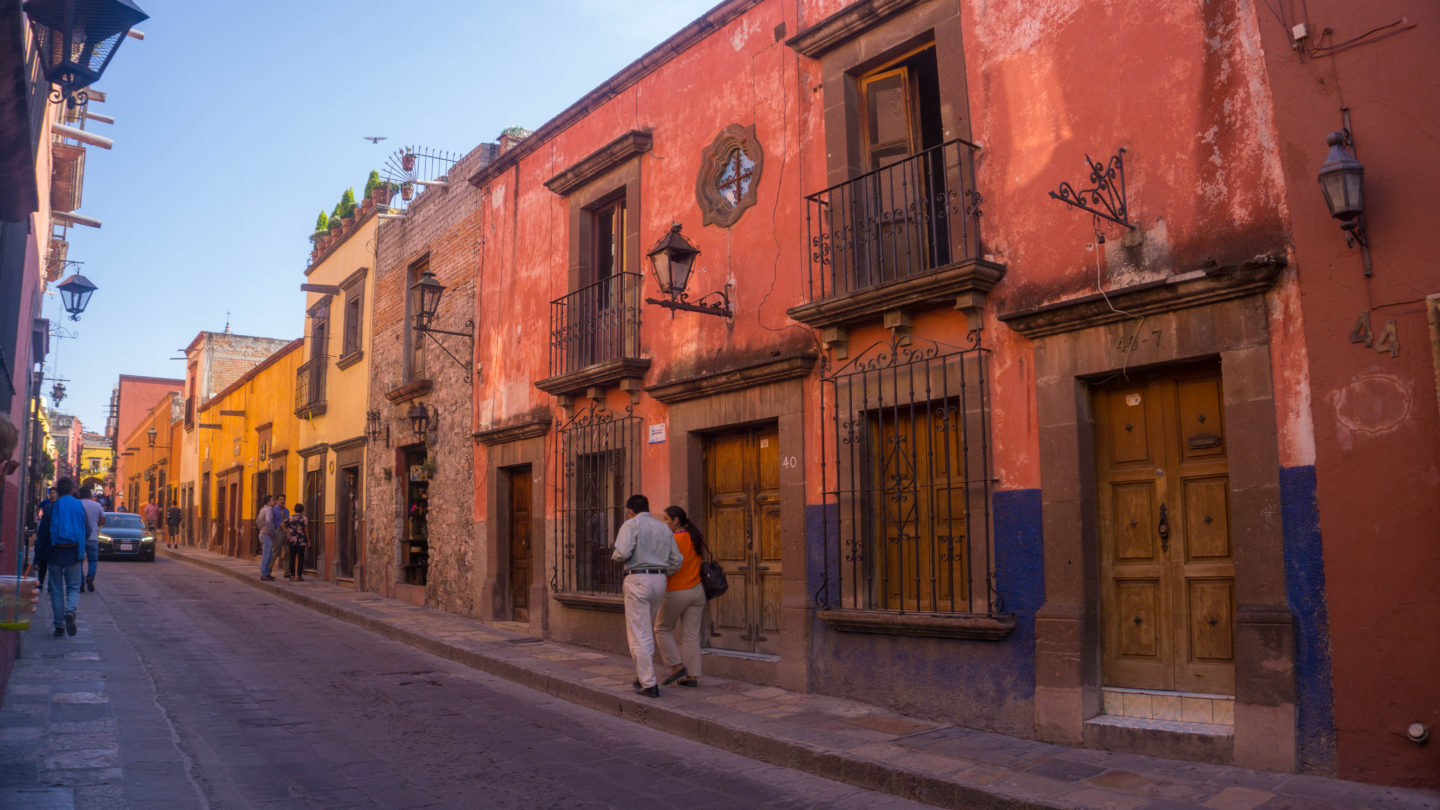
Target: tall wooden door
x=742 y=492
x=236 y=521
x=1167 y=564
x=520 y=545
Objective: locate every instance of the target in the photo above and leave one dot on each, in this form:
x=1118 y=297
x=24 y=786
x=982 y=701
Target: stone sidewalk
x=838 y=739
x=81 y=728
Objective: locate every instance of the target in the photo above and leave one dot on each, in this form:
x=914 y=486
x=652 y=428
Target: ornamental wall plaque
x=729 y=175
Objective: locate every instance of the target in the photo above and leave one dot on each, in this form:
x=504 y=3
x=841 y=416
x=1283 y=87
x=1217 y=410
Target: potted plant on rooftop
x=407 y=161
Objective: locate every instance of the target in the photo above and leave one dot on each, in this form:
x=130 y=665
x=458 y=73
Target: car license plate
x=127 y=546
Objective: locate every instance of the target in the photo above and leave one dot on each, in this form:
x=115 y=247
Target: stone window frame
x=411 y=341
x=353 y=287
x=848 y=45
x=715 y=208
x=605 y=176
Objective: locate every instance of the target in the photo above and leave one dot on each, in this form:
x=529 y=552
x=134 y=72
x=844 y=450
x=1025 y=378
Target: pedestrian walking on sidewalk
x=684 y=603
x=266 y=525
x=65 y=556
x=297 y=537
x=647 y=548
x=172 y=526
x=151 y=513
x=42 y=535
x=94 y=519
x=282 y=553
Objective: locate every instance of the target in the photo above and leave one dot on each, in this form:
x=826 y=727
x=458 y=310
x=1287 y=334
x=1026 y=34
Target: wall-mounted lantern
x=423 y=419
x=150 y=440
x=57 y=392
x=428 y=290
x=77 y=39
x=373 y=427
x=673 y=257
x=1342 y=180
x=75 y=294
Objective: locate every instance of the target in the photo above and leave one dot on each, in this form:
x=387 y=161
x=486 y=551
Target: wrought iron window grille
x=597 y=452
x=1105 y=196
x=907 y=480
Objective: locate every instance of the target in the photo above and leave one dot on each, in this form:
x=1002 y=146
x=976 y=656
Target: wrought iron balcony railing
x=310 y=388
x=910 y=218
x=596 y=324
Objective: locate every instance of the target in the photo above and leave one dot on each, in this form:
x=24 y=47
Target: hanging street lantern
x=57 y=392
x=672 y=258
x=420 y=417
x=75 y=294
x=77 y=39
x=430 y=290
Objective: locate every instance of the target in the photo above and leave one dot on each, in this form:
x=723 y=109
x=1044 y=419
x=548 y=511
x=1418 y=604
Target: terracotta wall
x=1368 y=482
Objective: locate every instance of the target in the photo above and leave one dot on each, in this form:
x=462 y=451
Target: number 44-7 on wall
x=1389 y=342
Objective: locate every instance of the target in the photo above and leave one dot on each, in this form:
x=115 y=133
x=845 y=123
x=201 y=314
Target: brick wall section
x=445 y=224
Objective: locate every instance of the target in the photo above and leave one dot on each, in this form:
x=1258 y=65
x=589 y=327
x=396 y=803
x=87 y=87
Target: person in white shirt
x=647 y=548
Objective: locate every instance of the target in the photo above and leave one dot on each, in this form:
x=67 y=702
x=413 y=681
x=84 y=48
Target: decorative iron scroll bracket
x=1105 y=197
x=432 y=331
x=720 y=305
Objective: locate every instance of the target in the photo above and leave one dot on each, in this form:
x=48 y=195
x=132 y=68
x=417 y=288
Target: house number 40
x=1388 y=343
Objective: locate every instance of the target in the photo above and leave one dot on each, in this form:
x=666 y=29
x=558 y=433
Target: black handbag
x=712 y=576
x=712 y=579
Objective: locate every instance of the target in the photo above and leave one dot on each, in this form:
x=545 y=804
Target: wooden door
x=520 y=545
x=742 y=489
x=233 y=527
x=1167 y=564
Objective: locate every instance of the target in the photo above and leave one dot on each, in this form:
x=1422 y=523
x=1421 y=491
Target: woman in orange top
x=684 y=604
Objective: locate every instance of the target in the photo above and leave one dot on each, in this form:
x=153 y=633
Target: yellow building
x=246 y=437
x=331 y=394
x=97 y=461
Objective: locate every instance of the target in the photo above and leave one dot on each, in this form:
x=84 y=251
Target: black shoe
x=267 y=579
x=59 y=632
x=675 y=676
x=649 y=691
x=70 y=628
x=90 y=583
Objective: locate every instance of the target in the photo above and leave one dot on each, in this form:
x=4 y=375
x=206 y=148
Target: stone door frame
x=1072 y=348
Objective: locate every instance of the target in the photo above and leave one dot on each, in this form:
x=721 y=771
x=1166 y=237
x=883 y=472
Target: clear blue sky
x=237 y=123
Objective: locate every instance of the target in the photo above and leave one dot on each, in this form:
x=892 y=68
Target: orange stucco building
x=1023 y=403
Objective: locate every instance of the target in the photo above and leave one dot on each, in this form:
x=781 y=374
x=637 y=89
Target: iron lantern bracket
x=704 y=305
x=432 y=331
x=1105 y=197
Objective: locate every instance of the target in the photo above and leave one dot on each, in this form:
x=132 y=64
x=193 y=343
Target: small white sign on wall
x=657 y=434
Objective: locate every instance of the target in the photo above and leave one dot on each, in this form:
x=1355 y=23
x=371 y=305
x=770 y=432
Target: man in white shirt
x=647 y=548
x=94 y=519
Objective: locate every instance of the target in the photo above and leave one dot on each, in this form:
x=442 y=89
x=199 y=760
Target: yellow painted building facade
x=331 y=396
x=246 y=437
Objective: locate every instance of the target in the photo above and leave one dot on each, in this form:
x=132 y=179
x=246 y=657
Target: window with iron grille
x=907 y=481
x=598 y=456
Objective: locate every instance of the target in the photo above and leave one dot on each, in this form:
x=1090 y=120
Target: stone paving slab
x=843 y=740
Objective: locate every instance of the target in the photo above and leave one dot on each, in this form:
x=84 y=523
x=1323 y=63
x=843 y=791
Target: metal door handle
x=1164 y=528
x=762 y=568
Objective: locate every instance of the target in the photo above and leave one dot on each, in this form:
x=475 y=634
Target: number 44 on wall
x=1389 y=342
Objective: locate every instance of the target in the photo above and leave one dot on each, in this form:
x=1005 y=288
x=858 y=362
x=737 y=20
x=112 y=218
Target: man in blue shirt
x=66 y=556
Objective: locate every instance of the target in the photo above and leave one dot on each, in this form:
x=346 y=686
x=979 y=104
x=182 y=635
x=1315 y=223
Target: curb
x=713 y=731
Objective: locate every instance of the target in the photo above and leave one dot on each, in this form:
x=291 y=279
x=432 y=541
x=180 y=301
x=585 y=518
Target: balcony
x=310 y=389
x=901 y=235
x=595 y=336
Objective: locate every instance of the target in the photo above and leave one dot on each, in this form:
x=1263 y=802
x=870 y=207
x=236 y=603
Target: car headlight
x=104 y=537
x=148 y=538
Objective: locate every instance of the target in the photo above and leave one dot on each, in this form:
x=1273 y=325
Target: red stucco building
x=1153 y=472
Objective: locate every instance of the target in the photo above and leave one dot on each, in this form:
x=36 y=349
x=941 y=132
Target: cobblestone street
x=187 y=689
x=191 y=684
